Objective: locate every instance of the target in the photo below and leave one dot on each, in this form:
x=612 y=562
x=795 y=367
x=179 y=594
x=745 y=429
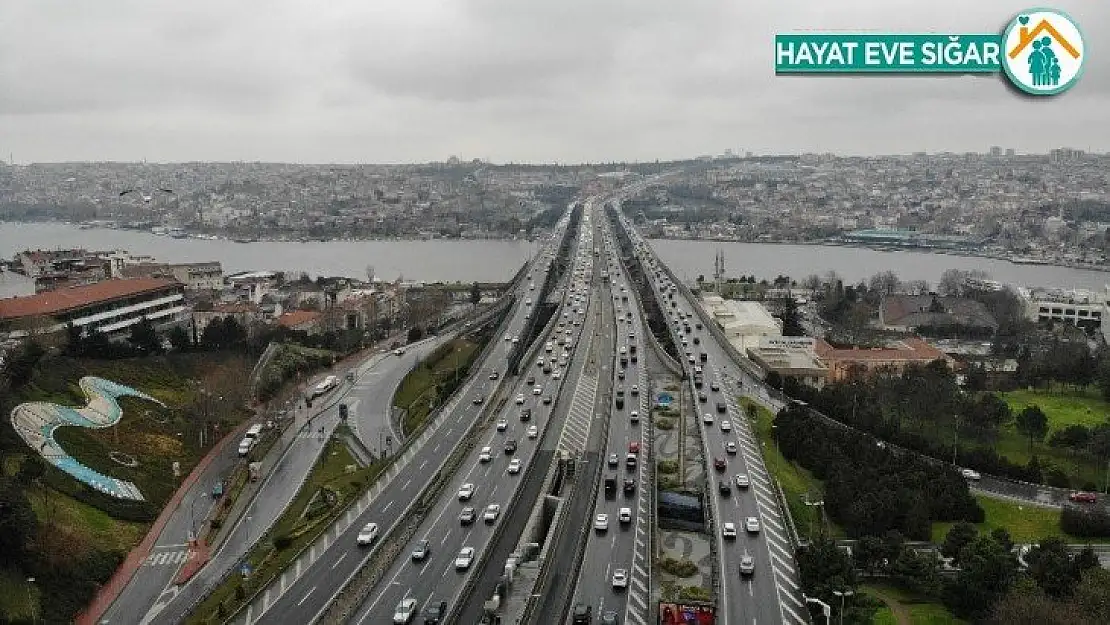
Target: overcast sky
x=508 y=80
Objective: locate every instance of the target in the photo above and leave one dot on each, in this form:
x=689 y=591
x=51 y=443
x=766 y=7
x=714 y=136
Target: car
x=726 y=425
x=502 y=425
x=537 y=391
x=533 y=431
x=730 y=448
x=479 y=399
x=614 y=460
x=526 y=414
x=728 y=531
x=435 y=613
x=514 y=466
x=624 y=515
x=547 y=399
x=608 y=617
x=516 y=340
x=423 y=548
x=742 y=480
x=466 y=491
x=405 y=612
x=486 y=455
x=747 y=565
x=970 y=474
x=720 y=464
x=508 y=337
x=520 y=398
x=629 y=486
x=531 y=380
x=721 y=407
x=702 y=398
x=634 y=447
x=368 y=534
x=466 y=516
x=630 y=461
x=713 y=386
x=635 y=390
x=510 y=447
x=724 y=488
x=620 y=578
x=634 y=416
x=707 y=419
x=555 y=375
x=751 y=525
x=464 y=559
x=492 y=512
x=601 y=523
x=582 y=614
x=493 y=375
x=1083 y=497
x=620 y=374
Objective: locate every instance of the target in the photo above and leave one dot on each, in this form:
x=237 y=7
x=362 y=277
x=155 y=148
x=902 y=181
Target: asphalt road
x=437 y=578
x=772 y=594
x=623 y=545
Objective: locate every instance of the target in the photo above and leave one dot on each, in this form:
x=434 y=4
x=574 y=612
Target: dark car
x=629 y=486
x=720 y=464
x=467 y=516
x=510 y=447
x=531 y=380
x=702 y=398
x=435 y=613
x=423 y=548
x=582 y=614
x=715 y=387
x=698 y=382
x=526 y=414
x=478 y=400
x=724 y=488
x=721 y=407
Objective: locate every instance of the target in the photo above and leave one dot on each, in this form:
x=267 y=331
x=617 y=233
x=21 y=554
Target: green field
x=419 y=392
x=1025 y=523
x=1063 y=407
x=915 y=610
x=796 y=482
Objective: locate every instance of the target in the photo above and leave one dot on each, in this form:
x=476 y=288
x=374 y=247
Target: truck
x=324 y=386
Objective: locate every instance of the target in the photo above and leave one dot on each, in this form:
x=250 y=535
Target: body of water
x=688 y=259
x=494 y=261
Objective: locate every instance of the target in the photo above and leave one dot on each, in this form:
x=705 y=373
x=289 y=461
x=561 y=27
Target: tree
x=1092 y=594
x=987 y=572
x=1052 y=566
x=179 y=339
x=885 y=283
x=1025 y=604
x=144 y=337
x=774 y=379
x=415 y=334
x=1033 y=423
x=475 y=294
x=18 y=524
x=959 y=536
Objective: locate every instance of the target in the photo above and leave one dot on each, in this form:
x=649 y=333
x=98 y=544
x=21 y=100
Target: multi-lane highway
x=475 y=504
x=301 y=593
x=615 y=571
x=770 y=594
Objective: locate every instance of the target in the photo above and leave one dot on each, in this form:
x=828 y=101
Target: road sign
x=245 y=570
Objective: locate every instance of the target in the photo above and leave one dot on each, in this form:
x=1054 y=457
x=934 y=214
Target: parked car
x=1083 y=497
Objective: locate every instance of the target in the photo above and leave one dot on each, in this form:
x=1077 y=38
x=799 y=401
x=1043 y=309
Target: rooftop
x=908 y=349
x=63 y=300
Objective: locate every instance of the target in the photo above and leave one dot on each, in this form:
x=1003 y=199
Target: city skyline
x=576 y=82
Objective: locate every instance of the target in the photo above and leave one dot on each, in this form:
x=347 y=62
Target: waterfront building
x=744 y=323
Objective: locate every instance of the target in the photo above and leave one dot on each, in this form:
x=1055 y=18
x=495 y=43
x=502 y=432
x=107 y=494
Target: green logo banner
x=842 y=53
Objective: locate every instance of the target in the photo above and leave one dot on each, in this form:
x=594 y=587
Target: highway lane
x=622 y=545
x=436 y=578
x=772 y=594
x=304 y=596
x=152 y=591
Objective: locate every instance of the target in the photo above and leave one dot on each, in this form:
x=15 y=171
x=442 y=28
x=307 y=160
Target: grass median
x=331 y=485
x=432 y=381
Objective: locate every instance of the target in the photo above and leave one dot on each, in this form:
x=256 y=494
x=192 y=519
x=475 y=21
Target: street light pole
x=842 y=595
x=31 y=600
x=826 y=609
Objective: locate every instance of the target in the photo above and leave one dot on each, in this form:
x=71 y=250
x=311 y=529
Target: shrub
x=282 y=542
x=664 y=424
x=668 y=466
x=693 y=593
x=678 y=568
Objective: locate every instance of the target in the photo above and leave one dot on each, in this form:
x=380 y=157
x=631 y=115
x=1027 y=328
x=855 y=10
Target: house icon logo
x=1043 y=51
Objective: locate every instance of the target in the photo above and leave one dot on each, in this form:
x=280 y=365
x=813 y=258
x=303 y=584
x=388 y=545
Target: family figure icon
x=1044 y=52
x=1043 y=64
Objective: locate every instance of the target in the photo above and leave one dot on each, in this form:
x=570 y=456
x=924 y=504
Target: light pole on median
x=826 y=609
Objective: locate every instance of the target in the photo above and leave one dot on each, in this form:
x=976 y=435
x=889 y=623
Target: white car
x=634 y=416
x=520 y=398
x=502 y=425
x=516 y=340
x=555 y=375
x=620 y=578
x=508 y=337
x=486 y=455
x=751 y=525
x=707 y=418
x=601 y=523
x=465 y=557
x=533 y=431
x=492 y=512
x=514 y=466
x=970 y=474
x=368 y=534
x=537 y=391
x=728 y=531
x=726 y=426
x=742 y=481
x=624 y=515
x=405 y=612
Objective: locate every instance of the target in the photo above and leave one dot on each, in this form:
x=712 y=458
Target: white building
x=1078 y=307
x=744 y=323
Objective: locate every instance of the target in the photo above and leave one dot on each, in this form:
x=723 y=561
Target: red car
x=634 y=447
x=1082 y=497
x=720 y=464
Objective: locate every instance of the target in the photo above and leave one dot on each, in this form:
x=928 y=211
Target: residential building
x=110 y=307
x=301 y=320
x=790 y=357
x=246 y=313
x=196 y=277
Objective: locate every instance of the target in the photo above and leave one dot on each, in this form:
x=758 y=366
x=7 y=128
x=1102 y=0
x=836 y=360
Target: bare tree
x=885 y=282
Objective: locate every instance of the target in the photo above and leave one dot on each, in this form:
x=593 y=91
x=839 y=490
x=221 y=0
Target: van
x=254 y=431
x=245 y=446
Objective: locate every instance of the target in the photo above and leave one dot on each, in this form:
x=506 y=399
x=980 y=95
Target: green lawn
x=18 y=598
x=795 y=480
x=1064 y=406
x=919 y=610
x=1025 y=523
x=418 y=395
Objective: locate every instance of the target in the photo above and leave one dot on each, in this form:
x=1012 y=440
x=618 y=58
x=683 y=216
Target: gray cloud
x=577 y=80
